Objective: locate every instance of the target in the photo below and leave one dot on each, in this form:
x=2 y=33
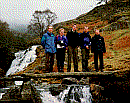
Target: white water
x=3 y=91
x=83 y=92
x=1 y=95
x=23 y=58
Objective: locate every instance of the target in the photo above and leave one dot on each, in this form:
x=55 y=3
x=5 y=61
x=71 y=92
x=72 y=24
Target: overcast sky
x=20 y=11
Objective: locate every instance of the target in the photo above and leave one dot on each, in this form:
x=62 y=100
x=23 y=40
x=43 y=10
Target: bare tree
x=41 y=20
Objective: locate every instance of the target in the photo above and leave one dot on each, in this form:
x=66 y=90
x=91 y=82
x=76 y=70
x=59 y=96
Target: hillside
x=22 y=28
x=113 y=20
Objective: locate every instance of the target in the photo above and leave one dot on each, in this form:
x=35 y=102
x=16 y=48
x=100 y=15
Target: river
x=73 y=93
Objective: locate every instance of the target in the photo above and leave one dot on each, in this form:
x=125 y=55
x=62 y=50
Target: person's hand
x=87 y=47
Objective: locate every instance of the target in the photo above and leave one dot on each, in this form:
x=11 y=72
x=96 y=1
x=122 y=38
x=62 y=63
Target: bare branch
x=40 y=21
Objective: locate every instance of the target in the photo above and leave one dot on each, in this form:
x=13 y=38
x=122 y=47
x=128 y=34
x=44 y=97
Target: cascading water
x=23 y=58
x=73 y=94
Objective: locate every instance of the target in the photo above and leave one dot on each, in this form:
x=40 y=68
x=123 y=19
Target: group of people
x=71 y=42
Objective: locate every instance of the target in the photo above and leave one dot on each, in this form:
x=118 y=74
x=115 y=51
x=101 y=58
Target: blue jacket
x=85 y=40
x=58 y=41
x=48 y=42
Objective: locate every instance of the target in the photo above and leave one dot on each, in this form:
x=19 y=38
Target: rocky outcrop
x=25 y=93
x=115 y=88
x=6 y=58
x=5 y=62
x=12 y=93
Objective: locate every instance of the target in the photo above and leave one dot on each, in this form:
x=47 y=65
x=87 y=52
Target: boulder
x=69 y=81
x=12 y=93
x=84 y=81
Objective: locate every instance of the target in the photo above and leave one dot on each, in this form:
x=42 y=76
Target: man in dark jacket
x=98 y=48
x=73 y=43
x=85 y=42
x=48 y=43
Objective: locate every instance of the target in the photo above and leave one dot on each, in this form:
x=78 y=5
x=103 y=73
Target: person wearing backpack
x=61 y=45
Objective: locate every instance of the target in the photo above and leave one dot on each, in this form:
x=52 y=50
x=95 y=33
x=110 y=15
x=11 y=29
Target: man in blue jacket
x=48 y=43
x=85 y=41
x=98 y=48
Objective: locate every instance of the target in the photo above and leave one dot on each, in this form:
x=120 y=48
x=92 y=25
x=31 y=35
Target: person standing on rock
x=85 y=41
x=48 y=43
x=73 y=43
x=61 y=44
x=98 y=48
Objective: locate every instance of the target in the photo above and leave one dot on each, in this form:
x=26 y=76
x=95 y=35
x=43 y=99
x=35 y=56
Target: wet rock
x=69 y=81
x=96 y=88
x=98 y=94
x=26 y=91
x=12 y=93
x=40 y=52
x=57 y=90
x=84 y=81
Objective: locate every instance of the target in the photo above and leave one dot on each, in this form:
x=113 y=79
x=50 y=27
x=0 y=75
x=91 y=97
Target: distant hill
x=113 y=15
x=19 y=27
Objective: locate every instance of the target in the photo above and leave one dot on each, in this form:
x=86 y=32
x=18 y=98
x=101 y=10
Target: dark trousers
x=60 y=56
x=49 y=61
x=73 y=51
x=100 y=55
x=85 y=57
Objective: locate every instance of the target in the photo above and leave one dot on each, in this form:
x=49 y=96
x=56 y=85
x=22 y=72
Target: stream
x=72 y=94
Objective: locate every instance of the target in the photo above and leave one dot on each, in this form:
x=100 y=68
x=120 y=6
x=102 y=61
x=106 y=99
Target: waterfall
x=23 y=58
x=73 y=94
x=48 y=98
